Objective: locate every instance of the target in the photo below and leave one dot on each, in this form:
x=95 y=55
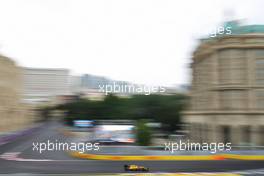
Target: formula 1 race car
x=135 y=168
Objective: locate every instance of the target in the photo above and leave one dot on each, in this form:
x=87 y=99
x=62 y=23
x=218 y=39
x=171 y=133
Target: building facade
x=14 y=115
x=227 y=93
x=43 y=85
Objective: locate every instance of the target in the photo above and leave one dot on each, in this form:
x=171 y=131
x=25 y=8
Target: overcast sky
x=140 y=41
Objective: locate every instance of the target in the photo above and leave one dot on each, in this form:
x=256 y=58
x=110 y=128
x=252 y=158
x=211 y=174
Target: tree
x=143 y=133
x=165 y=109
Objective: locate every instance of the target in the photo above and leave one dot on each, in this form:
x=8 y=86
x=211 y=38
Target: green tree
x=165 y=109
x=143 y=133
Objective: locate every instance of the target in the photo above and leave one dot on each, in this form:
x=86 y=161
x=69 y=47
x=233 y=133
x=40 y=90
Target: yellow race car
x=135 y=168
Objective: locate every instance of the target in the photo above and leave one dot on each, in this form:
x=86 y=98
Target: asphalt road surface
x=19 y=157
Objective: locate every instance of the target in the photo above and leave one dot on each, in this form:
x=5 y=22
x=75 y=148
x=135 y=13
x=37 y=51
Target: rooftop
x=239 y=29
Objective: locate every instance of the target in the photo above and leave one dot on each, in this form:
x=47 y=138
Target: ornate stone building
x=13 y=114
x=227 y=94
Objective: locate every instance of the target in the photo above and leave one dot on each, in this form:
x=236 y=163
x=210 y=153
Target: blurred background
x=213 y=79
x=223 y=103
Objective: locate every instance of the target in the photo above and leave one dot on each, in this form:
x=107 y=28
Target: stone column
x=236 y=135
x=205 y=132
x=251 y=68
x=255 y=135
x=210 y=135
x=215 y=81
x=190 y=132
x=196 y=132
x=216 y=133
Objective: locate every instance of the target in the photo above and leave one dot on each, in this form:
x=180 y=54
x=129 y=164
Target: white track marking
x=13 y=156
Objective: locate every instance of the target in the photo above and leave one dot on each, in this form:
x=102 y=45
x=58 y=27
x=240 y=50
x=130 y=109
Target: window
x=202 y=73
x=246 y=134
x=232 y=99
x=260 y=99
x=224 y=67
x=259 y=53
x=259 y=74
x=232 y=66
